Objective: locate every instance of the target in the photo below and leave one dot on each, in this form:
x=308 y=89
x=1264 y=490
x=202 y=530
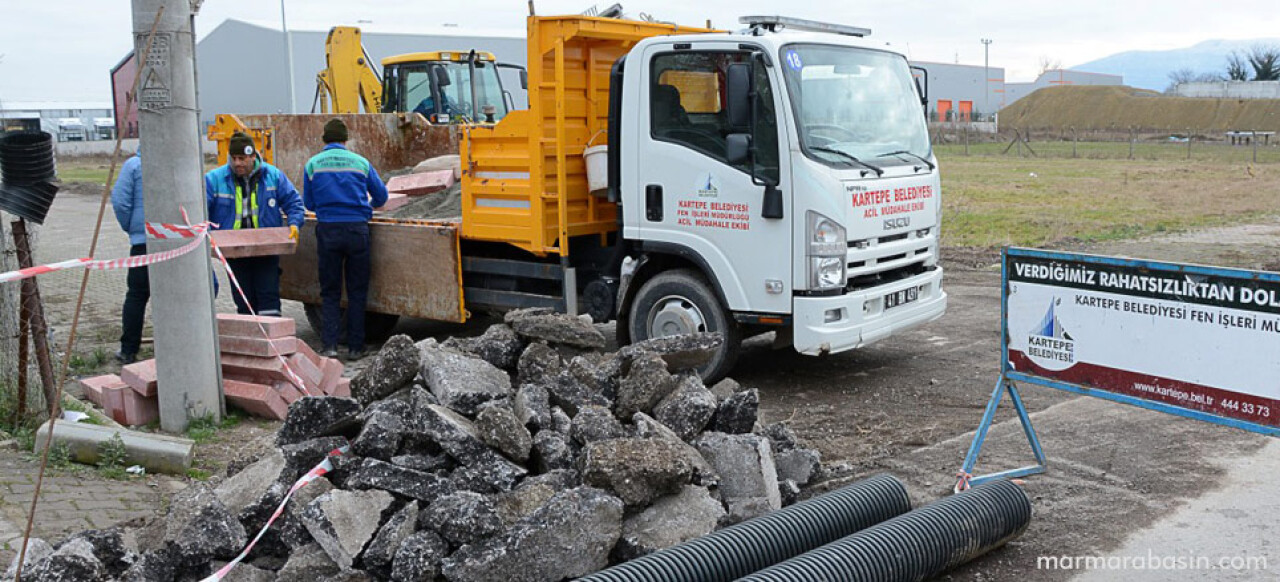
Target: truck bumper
x=824 y=325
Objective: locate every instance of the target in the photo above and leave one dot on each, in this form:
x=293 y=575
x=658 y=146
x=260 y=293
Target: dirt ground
x=907 y=405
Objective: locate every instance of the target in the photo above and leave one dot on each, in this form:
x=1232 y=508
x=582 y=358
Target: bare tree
x=1265 y=60
x=1237 y=69
x=1186 y=75
x=1049 y=64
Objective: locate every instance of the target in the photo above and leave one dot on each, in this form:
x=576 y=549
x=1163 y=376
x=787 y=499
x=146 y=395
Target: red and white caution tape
x=106 y=265
x=320 y=470
x=161 y=230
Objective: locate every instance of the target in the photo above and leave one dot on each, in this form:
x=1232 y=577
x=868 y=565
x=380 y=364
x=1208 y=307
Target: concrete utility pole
x=187 y=358
x=986 y=76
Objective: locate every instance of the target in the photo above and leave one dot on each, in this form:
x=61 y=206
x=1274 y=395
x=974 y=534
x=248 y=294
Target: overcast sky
x=62 y=50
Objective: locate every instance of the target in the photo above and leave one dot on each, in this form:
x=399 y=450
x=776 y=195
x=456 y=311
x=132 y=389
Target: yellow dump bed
x=524 y=180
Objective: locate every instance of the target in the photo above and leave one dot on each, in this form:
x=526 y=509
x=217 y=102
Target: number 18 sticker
x=793 y=60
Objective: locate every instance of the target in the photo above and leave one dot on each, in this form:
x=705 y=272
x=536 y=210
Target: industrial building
x=965 y=93
x=65 y=120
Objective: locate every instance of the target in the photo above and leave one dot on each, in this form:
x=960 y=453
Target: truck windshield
x=854 y=104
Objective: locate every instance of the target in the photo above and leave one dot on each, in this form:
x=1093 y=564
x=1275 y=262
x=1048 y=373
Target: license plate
x=902 y=297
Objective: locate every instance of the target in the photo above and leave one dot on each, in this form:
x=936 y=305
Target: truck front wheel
x=377 y=326
x=680 y=302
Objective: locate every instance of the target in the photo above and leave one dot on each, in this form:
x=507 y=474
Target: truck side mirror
x=524 y=79
x=922 y=90
x=738 y=95
x=736 y=147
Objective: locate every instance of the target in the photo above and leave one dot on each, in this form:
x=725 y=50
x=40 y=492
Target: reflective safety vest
x=253 y=208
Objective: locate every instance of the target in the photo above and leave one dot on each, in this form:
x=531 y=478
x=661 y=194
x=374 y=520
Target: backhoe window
x=420 y=95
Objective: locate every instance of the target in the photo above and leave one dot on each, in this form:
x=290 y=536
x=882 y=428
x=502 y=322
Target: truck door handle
x=653 y=202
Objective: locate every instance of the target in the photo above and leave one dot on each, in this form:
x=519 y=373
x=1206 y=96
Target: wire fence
x=1191 y=144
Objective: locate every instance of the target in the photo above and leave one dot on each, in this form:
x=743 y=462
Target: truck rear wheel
x=377 y=326
x=680 y=302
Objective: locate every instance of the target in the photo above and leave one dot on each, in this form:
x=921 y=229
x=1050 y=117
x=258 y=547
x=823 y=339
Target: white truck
x=775 y=179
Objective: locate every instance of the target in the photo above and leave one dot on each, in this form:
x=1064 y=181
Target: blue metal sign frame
x=1010 y=378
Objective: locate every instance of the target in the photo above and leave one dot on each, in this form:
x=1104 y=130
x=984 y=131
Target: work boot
x=355 y=355
x=330 y=352
x=125 y=359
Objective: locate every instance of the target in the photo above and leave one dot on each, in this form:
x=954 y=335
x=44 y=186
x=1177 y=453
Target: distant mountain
x=1150 y=69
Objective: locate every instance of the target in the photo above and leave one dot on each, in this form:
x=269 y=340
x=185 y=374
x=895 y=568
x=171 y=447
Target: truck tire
x=377 y=326
x=679 y=302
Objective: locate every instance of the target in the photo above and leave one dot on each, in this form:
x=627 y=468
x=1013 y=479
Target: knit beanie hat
x=241 y=144
x=335 y=131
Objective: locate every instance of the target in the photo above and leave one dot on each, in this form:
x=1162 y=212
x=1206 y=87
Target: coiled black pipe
x=27 y=170
x=917 y=545
x=736 y=551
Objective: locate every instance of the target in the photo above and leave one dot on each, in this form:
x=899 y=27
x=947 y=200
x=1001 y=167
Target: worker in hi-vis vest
x=250 y=193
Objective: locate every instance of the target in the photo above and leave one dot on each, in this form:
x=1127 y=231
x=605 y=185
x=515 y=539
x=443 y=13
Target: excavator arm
x=349 y=80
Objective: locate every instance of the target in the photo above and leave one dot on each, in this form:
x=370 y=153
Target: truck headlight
x=827 y=250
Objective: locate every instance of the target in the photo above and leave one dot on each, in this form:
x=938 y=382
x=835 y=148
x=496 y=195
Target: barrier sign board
x=1195 y=341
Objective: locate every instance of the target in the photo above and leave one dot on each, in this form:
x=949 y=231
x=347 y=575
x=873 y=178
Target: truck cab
x=775 y=179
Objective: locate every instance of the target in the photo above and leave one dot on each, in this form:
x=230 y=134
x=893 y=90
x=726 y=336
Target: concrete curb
x=156 y=453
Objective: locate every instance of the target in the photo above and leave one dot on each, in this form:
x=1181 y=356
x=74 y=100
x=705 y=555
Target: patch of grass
x=91 y=363
x=198 y=474
x=60 y=455
x=995 y=201
x=111 y=452
x=204 y=429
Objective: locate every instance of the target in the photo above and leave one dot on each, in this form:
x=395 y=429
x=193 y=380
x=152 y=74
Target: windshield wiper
x=879 y=172
x=905 y=152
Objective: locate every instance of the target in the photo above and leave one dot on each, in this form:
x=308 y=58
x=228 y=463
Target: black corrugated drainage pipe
x=917 y=545
x=736 y=551
x=27 y=172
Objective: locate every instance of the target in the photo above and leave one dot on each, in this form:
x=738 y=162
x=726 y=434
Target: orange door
x=966 y=111
x=944 y=110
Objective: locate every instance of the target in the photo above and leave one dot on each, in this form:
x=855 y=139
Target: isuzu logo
x=896 y=223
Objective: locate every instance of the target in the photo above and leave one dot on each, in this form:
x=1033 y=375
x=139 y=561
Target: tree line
x=1259 y=63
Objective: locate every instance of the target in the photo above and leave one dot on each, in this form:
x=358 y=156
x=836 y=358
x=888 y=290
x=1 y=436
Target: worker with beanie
x=338 y=186
x=250 y=193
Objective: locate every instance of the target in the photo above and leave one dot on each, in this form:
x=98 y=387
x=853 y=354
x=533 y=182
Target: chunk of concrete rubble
x=453 y=433
x=108 y=548
x=423 y=463
x=646 y=427
x=595 y=423
x=250 y=484
x=799 y=465
x=780 y=436
x=532 y=406
x=514 y=505
x=681 y=352
x=551 y=452
x=738 y=413
x=556 y=328
x=490 y=473
x=687 y=409
x=789 y=491
x=73 y=561
x=37 y=550
x=150 y=566
x=199 y=527
x=244 y=573
x=318 y=416
x=304 y=456
x=560 y=421
x=374 y=475
x=748 y=477
x=462 y=518
x=644 y=386
x=570 y=394
x=308 y=564
x=462 y=382
x=671 y=520
x=419 y=557
x=538 y=364
x=724 y=389
x=381 y=552
x=499 y=345
x=569 y=537
x=500 y=428
x=638 y=471
x=597 y=371
x=342 y=522
x=383 y=430
x=391 y=369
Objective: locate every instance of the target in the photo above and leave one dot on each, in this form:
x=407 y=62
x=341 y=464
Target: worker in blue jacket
x=250 y=193
x=126 y=201
x=342 y=188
